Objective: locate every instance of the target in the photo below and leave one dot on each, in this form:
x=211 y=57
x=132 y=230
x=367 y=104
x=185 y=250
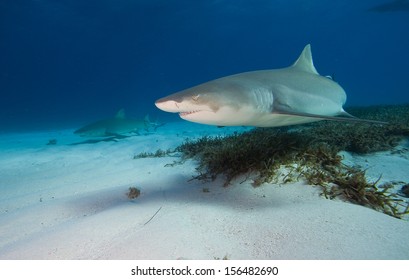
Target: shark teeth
x=188 y=113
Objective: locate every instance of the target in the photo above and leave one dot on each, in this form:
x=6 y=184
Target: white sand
x=69 y=202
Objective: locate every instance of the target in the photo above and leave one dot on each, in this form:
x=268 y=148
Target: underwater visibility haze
x=94 y=165
x=69 y=62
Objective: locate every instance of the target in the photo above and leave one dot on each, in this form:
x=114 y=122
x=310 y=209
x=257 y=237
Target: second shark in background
x=118 y=126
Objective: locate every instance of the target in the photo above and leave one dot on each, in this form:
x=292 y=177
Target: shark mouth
x=183 y=114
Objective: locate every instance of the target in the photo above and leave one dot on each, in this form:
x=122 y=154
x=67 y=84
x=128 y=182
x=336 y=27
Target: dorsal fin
x=304 y=62
x=120 y=114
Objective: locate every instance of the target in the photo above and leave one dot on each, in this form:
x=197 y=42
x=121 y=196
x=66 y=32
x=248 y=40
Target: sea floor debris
x=133 y=193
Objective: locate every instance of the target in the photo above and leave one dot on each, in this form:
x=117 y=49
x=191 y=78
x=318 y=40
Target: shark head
x=219 y=102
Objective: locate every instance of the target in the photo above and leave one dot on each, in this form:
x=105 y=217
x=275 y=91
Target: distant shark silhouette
x=394 y=6
x=101 y=139
x=117 y=127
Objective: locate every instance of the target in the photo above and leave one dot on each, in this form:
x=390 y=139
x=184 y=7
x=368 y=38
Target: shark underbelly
x=276 y=120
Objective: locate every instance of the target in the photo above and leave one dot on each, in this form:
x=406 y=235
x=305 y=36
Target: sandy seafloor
x=69 y=202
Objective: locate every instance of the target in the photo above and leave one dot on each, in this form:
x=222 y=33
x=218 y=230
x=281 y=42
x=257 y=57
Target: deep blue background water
x=67 y=62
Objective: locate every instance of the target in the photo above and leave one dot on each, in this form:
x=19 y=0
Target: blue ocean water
x=68 y=62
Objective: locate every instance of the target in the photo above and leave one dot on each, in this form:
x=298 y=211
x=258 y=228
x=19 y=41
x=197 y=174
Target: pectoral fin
x=343 y=116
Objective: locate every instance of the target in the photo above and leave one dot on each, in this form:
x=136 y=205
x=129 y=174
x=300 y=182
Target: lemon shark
x=118 y=126
x=267 y=98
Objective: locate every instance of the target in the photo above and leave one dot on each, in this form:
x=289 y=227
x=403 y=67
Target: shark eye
x=196 y=97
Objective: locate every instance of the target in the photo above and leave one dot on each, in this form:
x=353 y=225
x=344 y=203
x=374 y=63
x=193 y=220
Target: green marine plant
x=159 y=153
x=350 y=184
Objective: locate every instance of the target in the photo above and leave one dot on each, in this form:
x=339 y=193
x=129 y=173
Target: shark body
x=265 y=98
x=119 y=126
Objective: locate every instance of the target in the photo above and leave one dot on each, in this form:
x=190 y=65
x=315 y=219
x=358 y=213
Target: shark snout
x=168 y=105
